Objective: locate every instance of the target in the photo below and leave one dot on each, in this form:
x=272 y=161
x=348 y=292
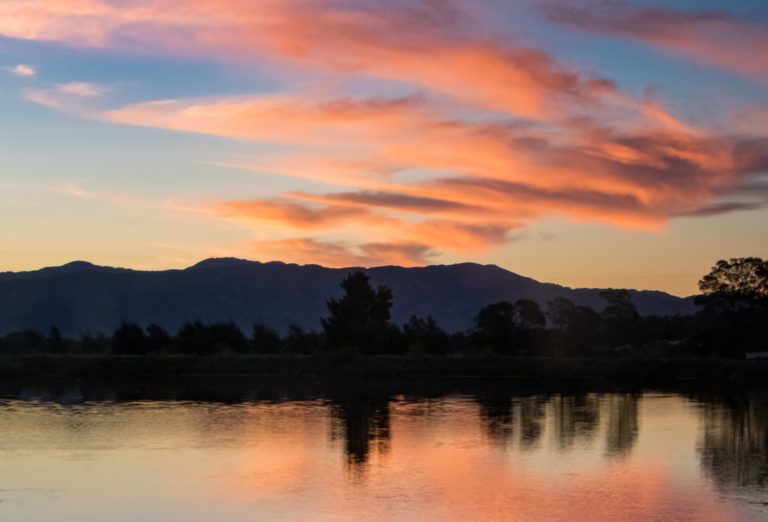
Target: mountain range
x=80 y=297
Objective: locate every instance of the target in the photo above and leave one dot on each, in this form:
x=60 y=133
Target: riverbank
x=635 y=371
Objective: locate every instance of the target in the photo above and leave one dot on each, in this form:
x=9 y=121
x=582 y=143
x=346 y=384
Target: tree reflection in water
x=497 y=417
x=575 y=417
x=572 y=419
x=734 y=442
x=508 y=419
x=622 y=425
x=733 y=446
x=532 y=416
x=363 y=424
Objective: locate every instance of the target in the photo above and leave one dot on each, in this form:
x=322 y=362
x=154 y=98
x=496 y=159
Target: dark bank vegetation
x=732 y=320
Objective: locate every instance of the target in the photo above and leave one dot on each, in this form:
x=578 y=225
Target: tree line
x=732 y=319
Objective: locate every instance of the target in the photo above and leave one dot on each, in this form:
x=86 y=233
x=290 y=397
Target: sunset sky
x=588 y=143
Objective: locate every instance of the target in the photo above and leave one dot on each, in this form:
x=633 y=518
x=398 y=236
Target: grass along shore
x=635 y=370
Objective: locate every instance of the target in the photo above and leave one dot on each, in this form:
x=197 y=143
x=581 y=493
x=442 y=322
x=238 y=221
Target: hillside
x=82 y=297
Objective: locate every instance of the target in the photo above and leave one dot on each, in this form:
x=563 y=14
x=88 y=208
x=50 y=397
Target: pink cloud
x=714 y=38
x=340 y=254
x=377 y=227
x=85 y=89
x=277 y=118
x=500 y=133
x=71 y=97
x=428 y=44
x=23 y=70
x=289 y=214
x=500 y=174
x=425 y=46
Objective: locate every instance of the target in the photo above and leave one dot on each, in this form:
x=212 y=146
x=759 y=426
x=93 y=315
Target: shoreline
x=628 y=370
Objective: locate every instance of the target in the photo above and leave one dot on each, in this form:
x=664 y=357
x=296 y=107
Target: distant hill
x=82 y=297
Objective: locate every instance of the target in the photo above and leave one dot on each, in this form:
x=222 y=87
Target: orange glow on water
x=586 y=458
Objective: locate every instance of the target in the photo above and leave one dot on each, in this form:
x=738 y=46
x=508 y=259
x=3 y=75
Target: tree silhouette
x=561 y=313
x=506 y=328
x=55 y=342
x=265 y=340
x=227 y=336
x=734 y=318
x=24 y=341
x=359 y=316
x=196 y=338
x=621 y=322
x=130 y=339
x=193 y=339
x=620 y=306
x=738 y=283
x=425 y=334
x=529 y=314
x=158 y=339
x=575 y=329
x=299 y=341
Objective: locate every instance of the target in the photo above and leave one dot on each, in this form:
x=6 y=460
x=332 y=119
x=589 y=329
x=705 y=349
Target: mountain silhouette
x=81 y=297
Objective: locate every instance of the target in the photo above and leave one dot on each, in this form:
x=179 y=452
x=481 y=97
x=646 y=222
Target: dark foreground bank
x=616 y=370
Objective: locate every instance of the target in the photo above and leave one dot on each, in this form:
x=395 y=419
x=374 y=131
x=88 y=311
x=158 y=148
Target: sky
x=590 y=143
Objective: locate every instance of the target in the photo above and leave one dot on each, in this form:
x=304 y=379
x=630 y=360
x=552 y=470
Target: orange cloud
x=710 y=37
x=499 y=174
x=420 y=205
x=373 y=231
x=428 y=44
x=340 y=254
x=277 y=118
x=290 y=214
x=498 y=134
x=104 y=23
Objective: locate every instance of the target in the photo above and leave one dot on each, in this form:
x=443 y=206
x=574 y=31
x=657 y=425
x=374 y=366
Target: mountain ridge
x=83 y=297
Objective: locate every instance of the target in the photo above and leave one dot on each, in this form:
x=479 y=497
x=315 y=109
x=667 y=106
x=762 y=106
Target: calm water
x=469 y=457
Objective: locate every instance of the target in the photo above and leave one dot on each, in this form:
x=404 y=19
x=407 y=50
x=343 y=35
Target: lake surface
x=490 y=455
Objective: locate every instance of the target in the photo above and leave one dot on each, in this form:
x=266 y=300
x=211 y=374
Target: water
x=488 y=455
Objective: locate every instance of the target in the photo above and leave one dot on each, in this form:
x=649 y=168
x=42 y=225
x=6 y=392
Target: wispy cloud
x=340 y=253
x=124 y=200
x=637 y=173
x=715 y=38
x=72 y=97
x=432 y=45
x=79 y=191
x=85 y=89
x=276 y=118
x=23 y=70
x=496 y=133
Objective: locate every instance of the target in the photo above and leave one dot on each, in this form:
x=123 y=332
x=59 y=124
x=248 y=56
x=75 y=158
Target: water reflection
x=623 y=424
x=363 y=424
x=575 y=418
x=496 y=412
x=532 y=415
x=734 y=442
x=273 y=451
